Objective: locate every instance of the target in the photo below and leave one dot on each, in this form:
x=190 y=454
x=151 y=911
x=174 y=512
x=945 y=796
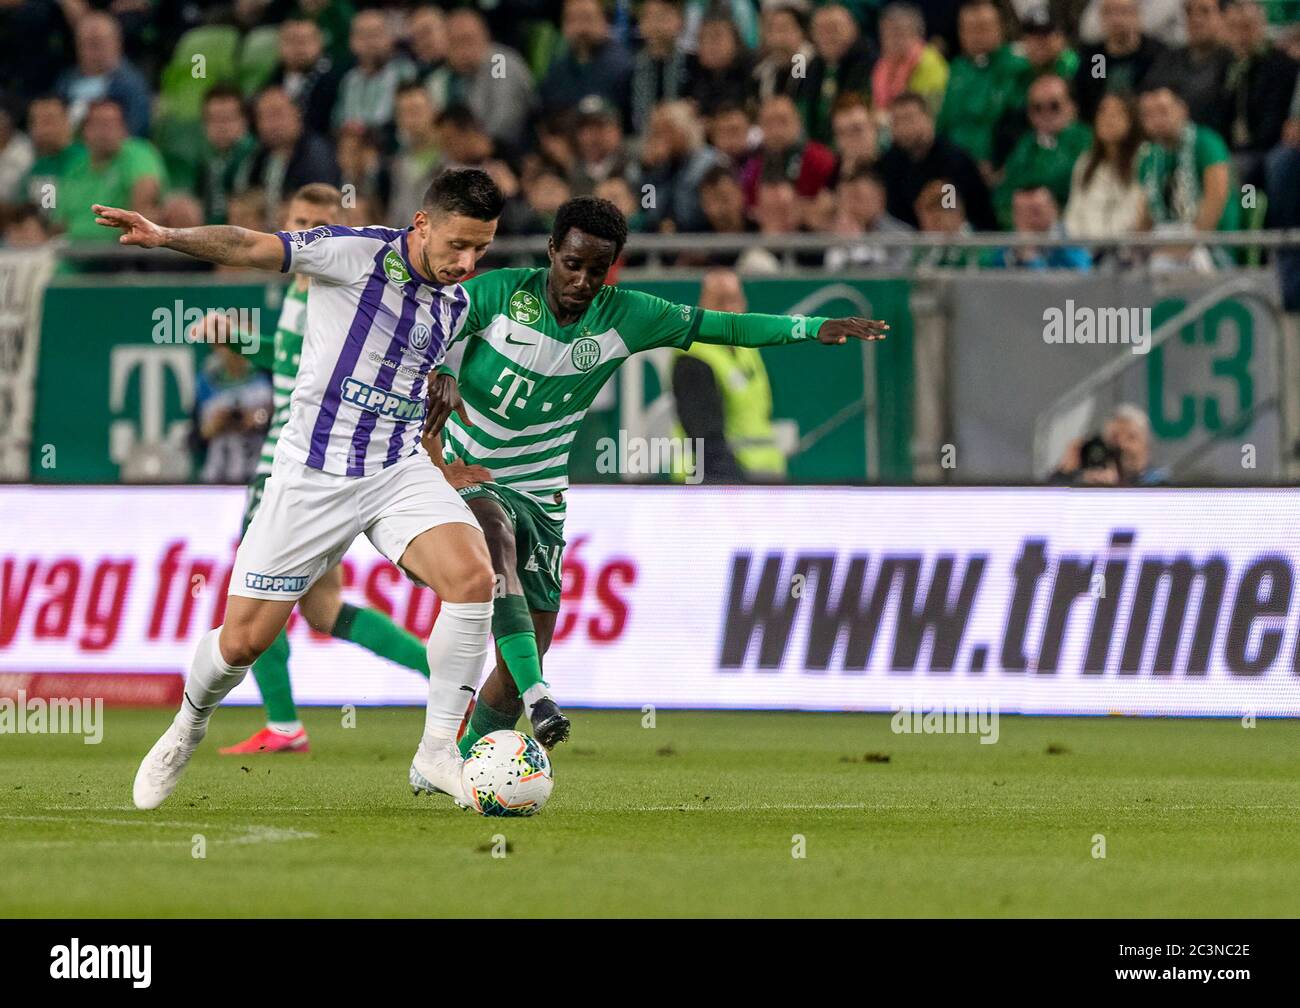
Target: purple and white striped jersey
x=374 y=330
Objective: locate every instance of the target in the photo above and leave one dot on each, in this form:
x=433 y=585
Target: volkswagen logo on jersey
x=420 y=337
x=585 y=353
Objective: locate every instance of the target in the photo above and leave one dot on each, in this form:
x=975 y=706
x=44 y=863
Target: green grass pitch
x=696 y=816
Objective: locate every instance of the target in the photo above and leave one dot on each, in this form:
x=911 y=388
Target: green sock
x=272 y=674
x=484 y=721
x=376 y=632
x=512 y=626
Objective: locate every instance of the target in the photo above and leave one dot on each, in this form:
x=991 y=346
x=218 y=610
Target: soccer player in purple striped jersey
x=385 y=305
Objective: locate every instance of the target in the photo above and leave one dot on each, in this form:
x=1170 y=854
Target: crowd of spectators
x=852 y=119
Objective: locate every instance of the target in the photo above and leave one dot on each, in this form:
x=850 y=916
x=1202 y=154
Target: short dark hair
x=224 y=90
x=591 y=215
x=864 y=173
x=718 y=173
x=458 y=117
x=911 y=98
x=731 y=107
x=410 y=86
x=1162 y=82
x=469 y=192
x=97 y=103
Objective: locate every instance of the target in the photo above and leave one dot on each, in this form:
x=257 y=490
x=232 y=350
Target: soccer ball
x=508 y=774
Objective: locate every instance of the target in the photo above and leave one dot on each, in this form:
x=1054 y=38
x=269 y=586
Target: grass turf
x=696 y=816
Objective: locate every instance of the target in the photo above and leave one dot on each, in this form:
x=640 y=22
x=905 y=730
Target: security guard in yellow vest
x=724 y=398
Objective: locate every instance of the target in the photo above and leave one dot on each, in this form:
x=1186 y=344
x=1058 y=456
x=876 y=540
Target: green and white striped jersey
x=286 y=351
x=527 y=381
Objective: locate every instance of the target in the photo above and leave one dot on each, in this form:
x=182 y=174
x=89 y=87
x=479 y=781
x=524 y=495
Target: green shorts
x=255 y=490
x=539 y=543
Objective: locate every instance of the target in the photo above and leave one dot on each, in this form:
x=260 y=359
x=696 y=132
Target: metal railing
x=660 y=249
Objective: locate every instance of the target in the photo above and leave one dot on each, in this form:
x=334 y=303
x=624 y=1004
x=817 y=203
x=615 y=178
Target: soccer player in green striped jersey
x=537 y=348
x=312 y=206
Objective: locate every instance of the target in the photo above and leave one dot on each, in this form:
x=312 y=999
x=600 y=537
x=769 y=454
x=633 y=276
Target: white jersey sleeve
x=333 y=254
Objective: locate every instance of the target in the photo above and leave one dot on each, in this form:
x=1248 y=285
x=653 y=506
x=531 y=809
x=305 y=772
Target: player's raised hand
x=136 y=228
x=213 y=328
x=841 y=330
x=444 y=397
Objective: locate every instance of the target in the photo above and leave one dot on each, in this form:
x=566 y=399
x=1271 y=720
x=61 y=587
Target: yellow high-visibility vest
x=746 y=408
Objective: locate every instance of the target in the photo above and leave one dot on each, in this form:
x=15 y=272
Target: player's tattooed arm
x=221 y=243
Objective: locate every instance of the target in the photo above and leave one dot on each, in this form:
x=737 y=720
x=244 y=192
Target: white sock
x=458 y=650
x=534 y=693
x=285 y=727
x=210 y=679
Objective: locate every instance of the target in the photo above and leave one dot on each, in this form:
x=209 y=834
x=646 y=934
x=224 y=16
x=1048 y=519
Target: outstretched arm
x=751 y=329
x=229 y=246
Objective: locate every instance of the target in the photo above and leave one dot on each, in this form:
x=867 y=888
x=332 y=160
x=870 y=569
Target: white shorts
x=308 y=519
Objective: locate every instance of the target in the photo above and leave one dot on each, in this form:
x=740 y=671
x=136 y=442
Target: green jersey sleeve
x=646 y=322
x=751 y=329
x=650 y=322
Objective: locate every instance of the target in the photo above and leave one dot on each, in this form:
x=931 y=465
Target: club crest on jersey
x=395 y=269
x=585 y=354
x=525 y=308
x=420 y=336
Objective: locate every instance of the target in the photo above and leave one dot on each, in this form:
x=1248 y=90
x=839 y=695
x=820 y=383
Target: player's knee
x=242 y=643
x=476 y=581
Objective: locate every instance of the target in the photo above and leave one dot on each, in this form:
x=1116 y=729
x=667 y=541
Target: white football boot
x=438 y=771
x=162 y=767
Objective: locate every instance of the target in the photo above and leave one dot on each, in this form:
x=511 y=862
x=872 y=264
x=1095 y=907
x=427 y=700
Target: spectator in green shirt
x=1184 y=169
x=113 y=168
x=987 y=82
x=50 y=127
x=1046 y=50
x=228 y=151
x=1045 y=45
x=1046 y=155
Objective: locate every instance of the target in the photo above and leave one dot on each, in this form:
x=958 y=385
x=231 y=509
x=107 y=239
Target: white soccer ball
x=508 y=774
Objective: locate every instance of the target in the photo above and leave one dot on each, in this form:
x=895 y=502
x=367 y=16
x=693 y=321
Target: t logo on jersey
x=509 y=398
x=585 y=353
x=525 y=308
x=395 y=269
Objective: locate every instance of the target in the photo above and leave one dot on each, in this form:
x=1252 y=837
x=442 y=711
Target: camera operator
x=1119 y=456
x=233 y=403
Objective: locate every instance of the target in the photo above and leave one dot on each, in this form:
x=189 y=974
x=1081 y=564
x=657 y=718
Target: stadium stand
x=557 y=97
